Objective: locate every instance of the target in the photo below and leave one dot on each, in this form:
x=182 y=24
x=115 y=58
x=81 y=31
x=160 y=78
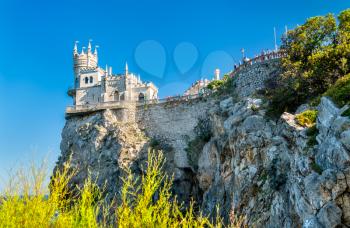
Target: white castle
x=94 y=85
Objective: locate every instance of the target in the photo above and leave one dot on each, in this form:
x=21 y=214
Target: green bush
x=346 y=113
x=223 y=86
x=340 y=91
x=144 y=202
x=307 y=118
x=214 y=85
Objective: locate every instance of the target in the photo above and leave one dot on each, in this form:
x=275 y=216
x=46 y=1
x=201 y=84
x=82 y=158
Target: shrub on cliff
x=145 y=202
x=223 y=86
x=340 y=91
x=317 y=55
x=307 y=118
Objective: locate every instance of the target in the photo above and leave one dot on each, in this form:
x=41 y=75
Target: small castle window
x=91 y=79
x=86 y=80
x=141 y=97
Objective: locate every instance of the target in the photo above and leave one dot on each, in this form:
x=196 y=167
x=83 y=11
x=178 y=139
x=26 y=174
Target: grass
x=307 y=118
x=143 y=202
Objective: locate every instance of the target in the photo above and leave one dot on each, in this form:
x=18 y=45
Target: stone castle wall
x=252 y=78
x=174 y=123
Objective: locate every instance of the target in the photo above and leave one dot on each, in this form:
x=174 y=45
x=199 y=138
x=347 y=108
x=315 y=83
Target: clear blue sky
x=36 y=42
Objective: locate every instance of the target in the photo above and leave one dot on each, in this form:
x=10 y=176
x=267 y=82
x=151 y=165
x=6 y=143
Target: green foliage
x=340 y=91
x=312 y=132
x=223 y=86
x=318 y=53
x=307 y=118
x=145 y=202
x=346 y=113
x=214 y=85
x=27 y=202
x=315 y=167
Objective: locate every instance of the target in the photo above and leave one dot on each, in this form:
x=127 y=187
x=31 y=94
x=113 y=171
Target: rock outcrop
x=275 y=173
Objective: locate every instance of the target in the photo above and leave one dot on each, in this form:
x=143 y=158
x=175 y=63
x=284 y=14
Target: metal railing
x=264 y=57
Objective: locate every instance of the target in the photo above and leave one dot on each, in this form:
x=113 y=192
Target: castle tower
x=126 y=69
x=83 y=60
x=217 y=74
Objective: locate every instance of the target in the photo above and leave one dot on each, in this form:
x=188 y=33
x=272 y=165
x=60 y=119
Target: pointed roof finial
x=126 y=68
x=82 y=51
x=95 y=52
x=75 y=50
x=89 y=45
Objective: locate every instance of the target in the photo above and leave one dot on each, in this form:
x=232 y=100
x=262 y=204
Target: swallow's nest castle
x=94 y=85
x=97 y=89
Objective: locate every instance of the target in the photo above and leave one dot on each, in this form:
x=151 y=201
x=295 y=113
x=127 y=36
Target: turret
x=83 y=60
x=217 y=74
x=126 y=69
x=75 y=50
x=89 y=47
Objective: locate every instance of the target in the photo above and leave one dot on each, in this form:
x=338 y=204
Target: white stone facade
x=199 y=86
x=94 y=85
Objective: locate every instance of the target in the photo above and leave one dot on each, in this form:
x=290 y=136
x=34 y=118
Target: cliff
x=225 y=152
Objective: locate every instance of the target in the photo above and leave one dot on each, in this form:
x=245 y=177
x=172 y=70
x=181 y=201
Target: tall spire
x=82 y=51
x=95 y=51
x=75 y=50
x=89 y=46
x=126 y=68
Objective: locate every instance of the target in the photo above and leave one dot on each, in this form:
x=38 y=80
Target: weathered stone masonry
x=174 y=123
x=252 y=78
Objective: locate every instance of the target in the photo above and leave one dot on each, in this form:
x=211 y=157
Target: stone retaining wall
x=252 y=78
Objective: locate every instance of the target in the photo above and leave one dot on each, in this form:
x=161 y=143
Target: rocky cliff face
x=274 y=172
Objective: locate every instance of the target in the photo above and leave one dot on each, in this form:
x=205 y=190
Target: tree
x=318 y=53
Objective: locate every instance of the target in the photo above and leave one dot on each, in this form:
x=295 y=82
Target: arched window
x=91 y=79
x=86 y=80
x=141 y=97
x=116 y=96
x=122 y=97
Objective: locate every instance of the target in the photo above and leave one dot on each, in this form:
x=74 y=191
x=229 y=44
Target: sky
x=172 y=43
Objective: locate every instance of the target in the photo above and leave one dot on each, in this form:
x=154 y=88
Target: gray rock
x=226 y=104
x=253 y=123
x=312 y=223
x=330 y=215
x=345 y=139
x=327 y=112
